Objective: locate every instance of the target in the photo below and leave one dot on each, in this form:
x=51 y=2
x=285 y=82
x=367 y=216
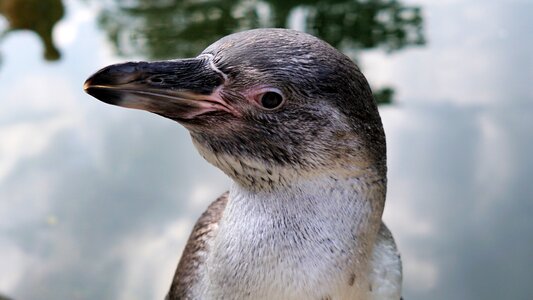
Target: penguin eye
x=271 y=100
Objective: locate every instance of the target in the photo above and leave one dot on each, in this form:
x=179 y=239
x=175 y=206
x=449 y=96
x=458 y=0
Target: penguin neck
x=322 y=223
x=317 y=195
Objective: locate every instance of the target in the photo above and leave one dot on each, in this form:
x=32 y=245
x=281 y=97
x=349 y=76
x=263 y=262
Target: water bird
x=292 y=121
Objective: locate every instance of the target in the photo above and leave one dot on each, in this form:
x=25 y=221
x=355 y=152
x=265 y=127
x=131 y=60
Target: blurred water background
x=96 y=201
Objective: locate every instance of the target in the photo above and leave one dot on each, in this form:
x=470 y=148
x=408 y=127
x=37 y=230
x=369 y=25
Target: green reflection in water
x=168 y=28
x=165 y=29
x=39 y=16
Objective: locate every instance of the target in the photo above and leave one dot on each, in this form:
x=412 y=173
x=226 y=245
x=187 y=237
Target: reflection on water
x=39 y=16
x=96 y=202
x=171 y=28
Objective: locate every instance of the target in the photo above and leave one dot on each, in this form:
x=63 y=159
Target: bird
x=293 y=122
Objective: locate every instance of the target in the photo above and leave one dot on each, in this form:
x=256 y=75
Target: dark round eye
x=271 y=100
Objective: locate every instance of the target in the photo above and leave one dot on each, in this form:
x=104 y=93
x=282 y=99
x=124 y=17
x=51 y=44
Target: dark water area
x=96 y=202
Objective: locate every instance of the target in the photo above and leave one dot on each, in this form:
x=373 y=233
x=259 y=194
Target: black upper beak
x=178 y=89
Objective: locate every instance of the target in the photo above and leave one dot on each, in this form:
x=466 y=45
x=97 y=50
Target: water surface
x=96 y=201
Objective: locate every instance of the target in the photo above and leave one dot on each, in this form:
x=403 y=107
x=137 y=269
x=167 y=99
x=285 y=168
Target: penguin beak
x=182 y=90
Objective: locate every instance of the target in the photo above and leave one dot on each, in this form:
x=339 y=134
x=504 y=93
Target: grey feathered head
x=266 y=106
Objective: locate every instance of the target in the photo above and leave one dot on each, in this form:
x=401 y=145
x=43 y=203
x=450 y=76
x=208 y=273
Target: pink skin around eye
x=253 y=95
